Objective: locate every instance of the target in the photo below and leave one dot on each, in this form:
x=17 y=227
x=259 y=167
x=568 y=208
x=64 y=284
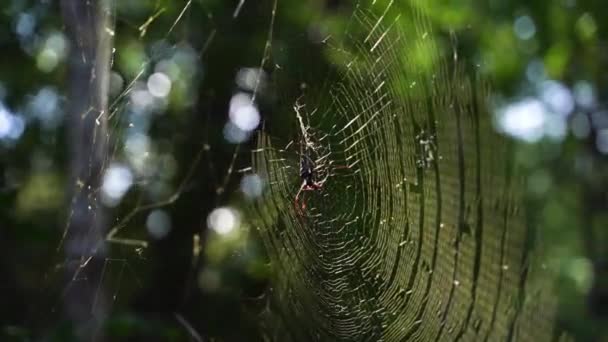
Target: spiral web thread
x=421 y=234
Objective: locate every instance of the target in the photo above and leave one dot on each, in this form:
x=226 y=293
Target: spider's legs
x=296 y=203
x=305 y=187
x=340 y=167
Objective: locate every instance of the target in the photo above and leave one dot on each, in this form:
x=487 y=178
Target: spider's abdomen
x=307 y=170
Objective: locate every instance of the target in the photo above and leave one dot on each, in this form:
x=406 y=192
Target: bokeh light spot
x=252 y=185
x=524 y=27
x=557 y=97
x=523 y=120
x=601 y=140
x=116 y=182
x=251 y=78
x=234 y=134
x=223 y=220
x=158 y=224
x=159 y=84
x=243 y=113
x=11 y=125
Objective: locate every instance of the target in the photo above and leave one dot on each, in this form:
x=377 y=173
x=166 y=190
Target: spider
x=308 y=166
x=307 y=173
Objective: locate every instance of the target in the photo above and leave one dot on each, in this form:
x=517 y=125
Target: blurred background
x=126 y=133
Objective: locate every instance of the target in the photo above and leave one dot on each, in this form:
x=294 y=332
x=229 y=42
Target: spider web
x=419 y=231
x=423 y=234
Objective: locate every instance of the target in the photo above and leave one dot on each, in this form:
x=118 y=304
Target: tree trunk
x=89 y=30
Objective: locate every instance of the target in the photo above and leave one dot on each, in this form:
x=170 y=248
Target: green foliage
x=252 y=282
